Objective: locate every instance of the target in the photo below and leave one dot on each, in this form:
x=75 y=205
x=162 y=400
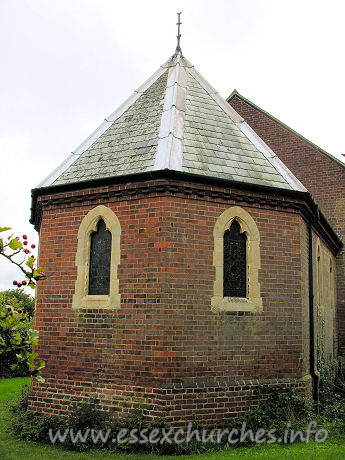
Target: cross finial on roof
x=178 y=47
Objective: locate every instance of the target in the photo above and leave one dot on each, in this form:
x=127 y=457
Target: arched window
x=100 y=257
x=235 y=262
x=97 y=259
x=236 y=259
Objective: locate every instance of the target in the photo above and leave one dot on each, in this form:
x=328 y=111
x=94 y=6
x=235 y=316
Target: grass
x=14 y=449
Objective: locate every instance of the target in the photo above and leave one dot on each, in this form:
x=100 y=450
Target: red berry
x=9 y=308
x=27 y=251
x=15 y=283
x=17 y=238
x=33 y=246
x=25 y=237
x=26 y=331
x=19 y=284
x=25 y=242
x=19 y=310
x=24 y=283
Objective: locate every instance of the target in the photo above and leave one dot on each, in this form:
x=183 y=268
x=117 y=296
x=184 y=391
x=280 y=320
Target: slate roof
x=177 y=121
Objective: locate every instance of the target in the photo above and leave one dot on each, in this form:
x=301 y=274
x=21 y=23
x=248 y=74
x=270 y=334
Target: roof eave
x=317 y=214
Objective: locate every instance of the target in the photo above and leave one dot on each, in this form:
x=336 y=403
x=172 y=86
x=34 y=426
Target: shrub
x=17 y=298
x=16 y=353
x=280 y=405
x=27 y=425
x=14 y=340
x=20 y=405
x=332 y=392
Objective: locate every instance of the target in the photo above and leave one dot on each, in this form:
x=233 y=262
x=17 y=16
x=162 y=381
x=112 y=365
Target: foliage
x=17 y=298
x=84 y=415
x=332 y=392
x=279 y=406
x=18 y=253
x=16 y=340
x=35 y=427
x=16 y=343
x=9 y=365
x=20 y=406
x=25 y=424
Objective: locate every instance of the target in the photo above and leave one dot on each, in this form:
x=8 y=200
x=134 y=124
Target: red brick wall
x=165 y=347
x=319 y=173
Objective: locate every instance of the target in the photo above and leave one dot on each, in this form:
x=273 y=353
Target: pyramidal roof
x=176 y=120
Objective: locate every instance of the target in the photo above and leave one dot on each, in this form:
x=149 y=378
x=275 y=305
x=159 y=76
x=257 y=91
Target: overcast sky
x=67 y=64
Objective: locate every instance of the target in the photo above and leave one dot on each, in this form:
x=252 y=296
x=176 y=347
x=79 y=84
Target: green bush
x=332 y=392
x=27 y=425
x=20 y=405
x=9 y=364
x=17 y=298
x=279 y=406
x=17 y=358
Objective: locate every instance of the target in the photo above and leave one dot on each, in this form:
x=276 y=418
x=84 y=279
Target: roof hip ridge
x=169 y=153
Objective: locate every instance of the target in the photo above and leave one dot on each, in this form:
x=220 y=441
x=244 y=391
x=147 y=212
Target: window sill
x=236 y=304
x=97 y=301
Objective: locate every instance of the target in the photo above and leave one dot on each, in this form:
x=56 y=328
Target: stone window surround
x=81 y=299
x=253 y=301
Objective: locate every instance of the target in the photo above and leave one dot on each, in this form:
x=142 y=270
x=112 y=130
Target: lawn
x=14 y=449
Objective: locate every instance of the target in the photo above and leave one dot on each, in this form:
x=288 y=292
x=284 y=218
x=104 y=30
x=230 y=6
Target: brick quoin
x=322 y=175
x=164 y=348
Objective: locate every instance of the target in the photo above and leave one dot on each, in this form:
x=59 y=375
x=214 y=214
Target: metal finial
x=178 y=36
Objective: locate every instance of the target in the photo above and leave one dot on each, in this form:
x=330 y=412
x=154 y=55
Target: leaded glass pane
x=100 y=255
x=235 y=263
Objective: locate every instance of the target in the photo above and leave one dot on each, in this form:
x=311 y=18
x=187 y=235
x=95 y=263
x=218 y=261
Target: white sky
x=67 y=64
